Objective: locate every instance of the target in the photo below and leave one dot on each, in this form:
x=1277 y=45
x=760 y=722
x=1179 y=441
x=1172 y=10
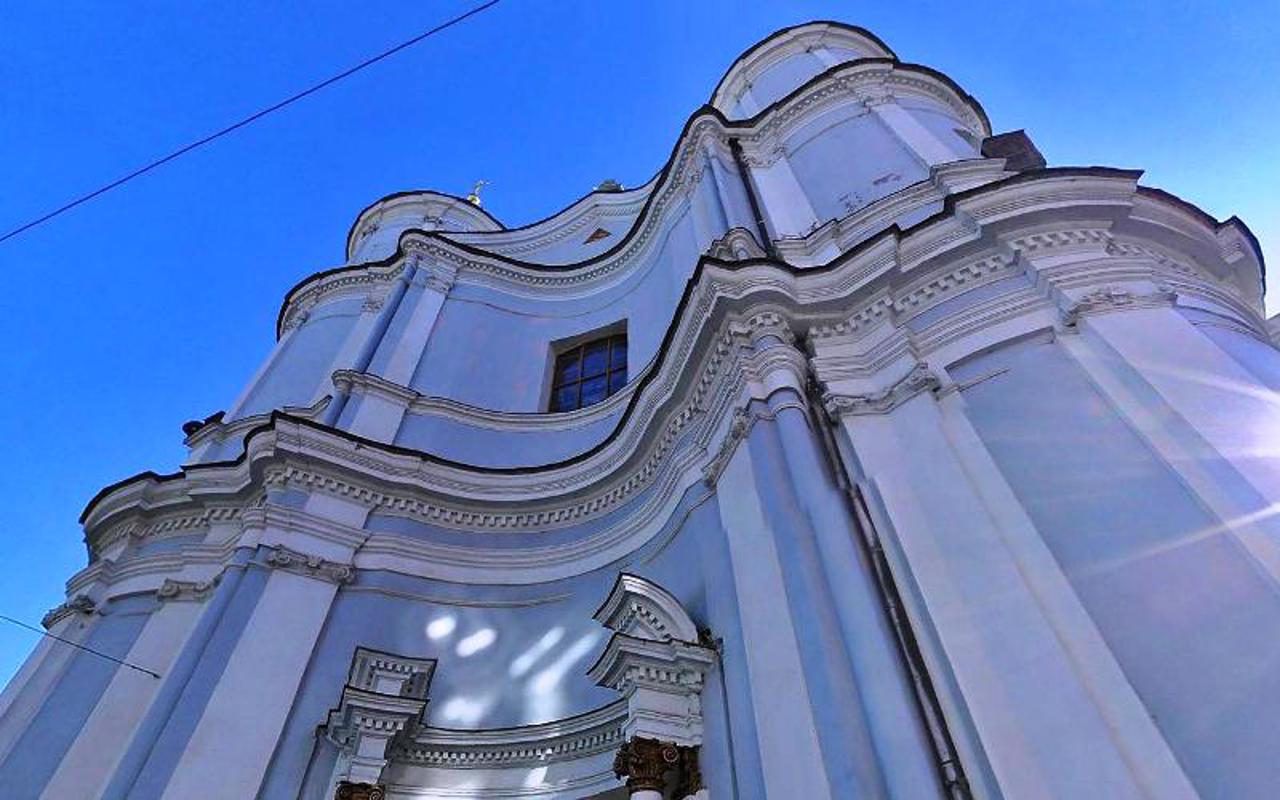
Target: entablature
x=729 y=341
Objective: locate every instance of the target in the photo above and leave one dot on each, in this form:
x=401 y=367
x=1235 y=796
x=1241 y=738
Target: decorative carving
x=360 y=791
x=372 y=303
x=80 y=604
x=689 y=782
x=645 y=763
x=655 y=660
x=738 y=429
x=919 y=379
x=1110 y=298
x=738 y=244
x=281 y=557
x=185 y=590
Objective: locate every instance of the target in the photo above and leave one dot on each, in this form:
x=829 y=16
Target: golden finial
x=474 y=197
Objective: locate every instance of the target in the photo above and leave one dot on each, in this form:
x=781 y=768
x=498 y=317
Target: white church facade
x=858 y=454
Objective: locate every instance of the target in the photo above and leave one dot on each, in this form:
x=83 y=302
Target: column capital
x=80 y=604
x=311 y=566
x=645 y=763
x=919 y=379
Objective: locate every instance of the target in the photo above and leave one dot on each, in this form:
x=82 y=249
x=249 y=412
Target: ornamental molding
x=570 y=739
x=655 y=659
x=143 y=524
x=309 y=566
x=346 y=790
x=570 y=223
x=221 y=430
x=1109 y=299
x=418 y=404
x=680 y=413
x=844 y=83
x=80 y=604
x=738 y=244
x=383 y=700
x=919 y=380
x=197 y=591
x=643 y=609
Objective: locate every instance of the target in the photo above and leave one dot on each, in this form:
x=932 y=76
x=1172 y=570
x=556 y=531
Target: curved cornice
x=706 y=122
x=700 y=368
x=480 y=215
x=569 y=739
x=817 y=28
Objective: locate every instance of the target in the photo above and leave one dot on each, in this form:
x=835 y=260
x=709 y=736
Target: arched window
x=589 y=372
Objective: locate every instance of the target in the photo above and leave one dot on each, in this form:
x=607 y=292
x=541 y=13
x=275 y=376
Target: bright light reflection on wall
x=545 y=696
x=476 y=642
x=525 y=661
x=465 y=711
x=535 y=777
x=441 y=627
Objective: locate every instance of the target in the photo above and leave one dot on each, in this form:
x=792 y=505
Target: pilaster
x=92 y=758
x=657 y=661
x=261 y=677
x=27 y=692
x=999 y=619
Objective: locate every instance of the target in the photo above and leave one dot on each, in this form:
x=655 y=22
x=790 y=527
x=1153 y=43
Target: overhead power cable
x=257 y=115
x=85 y=648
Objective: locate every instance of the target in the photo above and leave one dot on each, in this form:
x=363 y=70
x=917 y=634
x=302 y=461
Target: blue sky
x=154 y=304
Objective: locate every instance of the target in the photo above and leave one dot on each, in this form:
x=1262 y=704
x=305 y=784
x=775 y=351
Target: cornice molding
x=676 y=420
x=708 y=130
x=1109 y=299
x=571 y=739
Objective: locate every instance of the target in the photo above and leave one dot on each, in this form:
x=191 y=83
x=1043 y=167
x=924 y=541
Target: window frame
x=581 y=343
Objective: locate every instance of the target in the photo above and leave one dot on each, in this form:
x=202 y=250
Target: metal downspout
x=950 y=770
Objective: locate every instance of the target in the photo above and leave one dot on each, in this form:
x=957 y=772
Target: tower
x=859 y=453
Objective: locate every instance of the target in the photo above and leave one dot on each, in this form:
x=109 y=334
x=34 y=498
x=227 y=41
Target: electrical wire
x=249 y=119
x=85 y=648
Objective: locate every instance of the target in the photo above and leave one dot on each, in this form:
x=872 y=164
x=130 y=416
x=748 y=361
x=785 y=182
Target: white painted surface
x=92 y=758
x=233 y=743
x=789 y=752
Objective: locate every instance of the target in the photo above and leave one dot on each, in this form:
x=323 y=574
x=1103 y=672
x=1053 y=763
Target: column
x=791 y=758
x=784 y=202
x=378 y=416
x=657 y=660
x=904 y=752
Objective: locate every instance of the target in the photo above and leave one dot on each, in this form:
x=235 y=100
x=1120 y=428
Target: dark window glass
x=595 y=359
x=589 y=373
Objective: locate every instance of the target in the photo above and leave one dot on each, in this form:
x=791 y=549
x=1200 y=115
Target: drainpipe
x=735 y=147
x=365 y=356
x=950 y=770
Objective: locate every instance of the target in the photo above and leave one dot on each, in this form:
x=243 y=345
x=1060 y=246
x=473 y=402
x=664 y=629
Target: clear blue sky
x=155 y=304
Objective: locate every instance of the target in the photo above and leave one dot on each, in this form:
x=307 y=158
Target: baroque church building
x=858 y=454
